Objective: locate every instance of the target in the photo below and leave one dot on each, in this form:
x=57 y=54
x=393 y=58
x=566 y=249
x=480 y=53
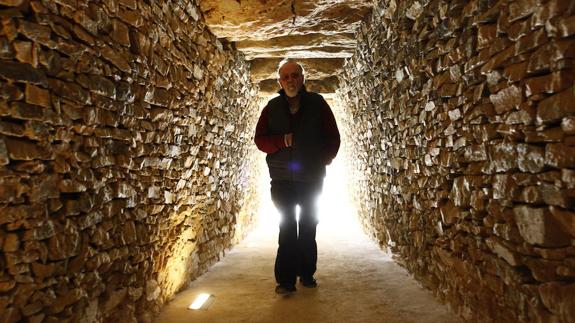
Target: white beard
x=291 y=92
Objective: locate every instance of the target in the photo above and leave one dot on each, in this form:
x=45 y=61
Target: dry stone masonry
x=126 y=156
x=462 y=117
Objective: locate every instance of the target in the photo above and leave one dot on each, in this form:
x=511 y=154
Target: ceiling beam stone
x=319 y=33
x=324 y=86
x=315 y=68
x=262 y=20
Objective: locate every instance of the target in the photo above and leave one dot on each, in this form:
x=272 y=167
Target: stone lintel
x=315 y=68
x=324 y=86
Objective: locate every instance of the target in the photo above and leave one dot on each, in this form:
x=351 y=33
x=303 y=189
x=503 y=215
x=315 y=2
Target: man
x=298 y=132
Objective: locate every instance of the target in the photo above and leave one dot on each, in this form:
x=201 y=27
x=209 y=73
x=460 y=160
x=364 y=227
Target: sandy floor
x=357 y=283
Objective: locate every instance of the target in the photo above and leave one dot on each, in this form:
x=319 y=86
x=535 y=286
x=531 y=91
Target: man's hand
x=288 y=139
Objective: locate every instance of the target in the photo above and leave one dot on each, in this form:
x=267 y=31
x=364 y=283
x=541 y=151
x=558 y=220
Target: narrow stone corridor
x=128 y=167
x=358 y=282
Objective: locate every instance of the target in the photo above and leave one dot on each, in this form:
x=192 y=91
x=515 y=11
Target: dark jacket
x=315 y=142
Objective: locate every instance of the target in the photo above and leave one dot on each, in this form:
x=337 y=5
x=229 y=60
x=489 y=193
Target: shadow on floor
x=357 y=283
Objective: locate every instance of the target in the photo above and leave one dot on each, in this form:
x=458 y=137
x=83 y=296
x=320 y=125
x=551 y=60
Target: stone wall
x=462 y=115
x=126 y=156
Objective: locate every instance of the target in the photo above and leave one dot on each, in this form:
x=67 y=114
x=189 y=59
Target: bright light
x=201 y=302
x=335 y=208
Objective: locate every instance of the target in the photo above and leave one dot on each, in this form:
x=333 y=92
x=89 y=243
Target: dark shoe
x=308 y=282
x=285 y=290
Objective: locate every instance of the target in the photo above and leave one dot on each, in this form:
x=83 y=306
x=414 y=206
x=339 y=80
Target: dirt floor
x=358 y=282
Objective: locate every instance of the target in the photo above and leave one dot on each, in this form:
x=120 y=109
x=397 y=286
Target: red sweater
x=272 y=143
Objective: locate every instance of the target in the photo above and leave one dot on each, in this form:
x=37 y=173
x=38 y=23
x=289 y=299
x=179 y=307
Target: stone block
x=568 y=177
x=515 y=72
x=4 y=155
x=11 y=92
x=549 y=11
x=132 y=4
x=503 y=157
x=568 y=125
x=102 y=86
x=557 y=298
x=26 y=150
x=532 y=195
x=507 y=99
x=521 y=9
x=120 y=33
x=128 y=235
x=450 y=213
x=550 y=83
x=90 y=220
x=530 y=158
x=70 y=91
x=542 y=270
x=26 y=53
x=131 y=17
x=517 y=30
x=71 y=186
x=560 y=155
x=485 y=35
x=123 y=190
x=554 y=134
x=531 y=41
x=11 y=243
x=43 y=187
x=71 y=4
x=504 y=250
x=37 y=96
x=44 y=230
x=545 y=56
x=553 y=195
x=556 y=107
x=84 y=35
x=525 y=115
x=565 y=217
x=11 y=3
x=65 y=299
x=504 y=187
x=565 y=26
x=117 y=57
x=24 y=111
x=36 y=32
x=21 y=72
x=461 y=192
x=43 y=270
x=475 y=153
x=538 y=227
x=116 y=298
x=159 y=96
x=87 y=23
x=63 y=246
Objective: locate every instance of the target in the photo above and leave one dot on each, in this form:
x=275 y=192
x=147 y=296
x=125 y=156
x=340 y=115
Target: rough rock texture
x=126 y=159
x=270 y=30
x=461 y=116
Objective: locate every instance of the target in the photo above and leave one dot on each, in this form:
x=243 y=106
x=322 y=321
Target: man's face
x=291 y=78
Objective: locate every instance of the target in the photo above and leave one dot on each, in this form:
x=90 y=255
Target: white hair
x=290 y=60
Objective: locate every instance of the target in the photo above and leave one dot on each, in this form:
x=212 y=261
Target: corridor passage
x=358 y=282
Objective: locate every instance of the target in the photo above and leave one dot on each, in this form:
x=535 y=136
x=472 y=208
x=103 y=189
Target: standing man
x=298 y=132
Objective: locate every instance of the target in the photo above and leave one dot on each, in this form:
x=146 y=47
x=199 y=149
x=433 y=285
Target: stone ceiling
x=318 y=32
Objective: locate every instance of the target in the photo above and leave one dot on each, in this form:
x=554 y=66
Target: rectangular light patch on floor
x=202 y=302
